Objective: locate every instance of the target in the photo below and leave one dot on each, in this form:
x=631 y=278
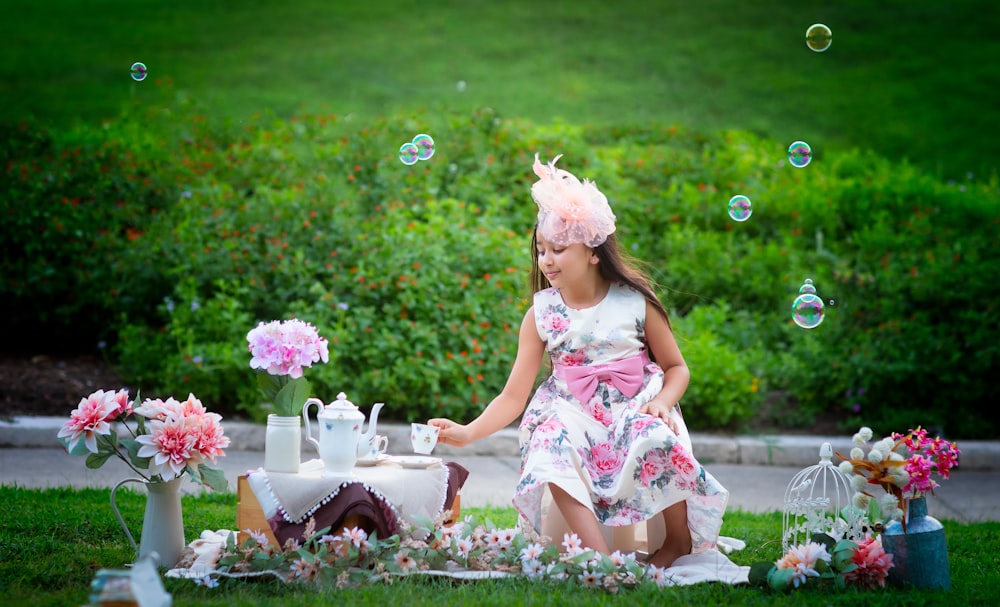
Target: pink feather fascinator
x=570 y=211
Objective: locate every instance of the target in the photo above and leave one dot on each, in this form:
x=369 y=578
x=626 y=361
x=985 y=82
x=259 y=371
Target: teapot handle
x=305 y=414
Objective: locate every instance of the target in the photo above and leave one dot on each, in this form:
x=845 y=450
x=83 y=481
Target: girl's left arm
x=660 y=339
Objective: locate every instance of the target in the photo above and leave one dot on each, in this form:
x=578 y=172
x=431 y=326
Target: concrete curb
x=763 y=450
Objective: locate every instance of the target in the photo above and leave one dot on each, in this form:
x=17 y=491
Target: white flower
x=875 y=456
x=533 y=569
x=590 y=579
x=532 y=552
x=572 y=543
x=885 y=445
x=862 y=501
x=857 y=453
x=802 y=560
x=900 y=477
x=847 y=467
x=858 y=482
x=658 y=575
x=865 y=433
x=464 y=547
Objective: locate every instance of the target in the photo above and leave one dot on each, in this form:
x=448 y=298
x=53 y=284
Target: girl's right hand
x=450 y=433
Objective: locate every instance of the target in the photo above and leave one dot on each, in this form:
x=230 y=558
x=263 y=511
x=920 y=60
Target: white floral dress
x=626 y=466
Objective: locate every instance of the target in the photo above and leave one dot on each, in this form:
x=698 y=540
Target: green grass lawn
x=911 y=80
x=52 y=542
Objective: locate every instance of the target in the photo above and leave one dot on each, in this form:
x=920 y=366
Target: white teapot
x=340 y=435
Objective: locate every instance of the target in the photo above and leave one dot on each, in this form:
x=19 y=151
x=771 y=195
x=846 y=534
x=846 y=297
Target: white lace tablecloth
x=410 y=492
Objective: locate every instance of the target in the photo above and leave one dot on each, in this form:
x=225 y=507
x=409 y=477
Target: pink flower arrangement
x=904 y=466
x=165 y=440
x=863 y=565
x=281 y=350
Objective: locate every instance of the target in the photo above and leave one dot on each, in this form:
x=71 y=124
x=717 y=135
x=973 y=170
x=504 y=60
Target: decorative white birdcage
x=820 y=500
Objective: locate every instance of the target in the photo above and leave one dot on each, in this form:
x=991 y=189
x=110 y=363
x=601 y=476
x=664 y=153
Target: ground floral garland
x=353 y=558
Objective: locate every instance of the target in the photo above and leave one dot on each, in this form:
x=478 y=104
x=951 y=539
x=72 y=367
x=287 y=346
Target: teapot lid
x=342 y=406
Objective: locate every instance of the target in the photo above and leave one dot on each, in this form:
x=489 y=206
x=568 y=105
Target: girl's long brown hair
x=614 y=266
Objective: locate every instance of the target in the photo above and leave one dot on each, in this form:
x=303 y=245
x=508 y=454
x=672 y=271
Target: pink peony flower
x=653 y=466
x=573 y=359
x=682 y=462
x=604 y=458
x=600 y=412
x=210 y=442
x=90 y=419
x=873 y=564
x=170 y=444
x=555 y=323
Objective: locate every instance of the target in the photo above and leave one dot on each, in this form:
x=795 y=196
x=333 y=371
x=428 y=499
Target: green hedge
x=184 y=235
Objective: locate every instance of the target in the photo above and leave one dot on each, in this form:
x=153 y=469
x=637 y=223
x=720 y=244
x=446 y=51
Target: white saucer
x=367 y=463
x=415 y=461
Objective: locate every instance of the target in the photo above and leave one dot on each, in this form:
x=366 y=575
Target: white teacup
x=376 y=447
x=423 y=438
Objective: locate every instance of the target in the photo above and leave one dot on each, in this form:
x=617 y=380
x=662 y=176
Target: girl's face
x=564 y=265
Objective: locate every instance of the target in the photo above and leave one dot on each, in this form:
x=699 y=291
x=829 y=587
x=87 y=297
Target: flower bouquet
x=159 y=440
x=904 y=466
x=280 y=350
x=863 y=564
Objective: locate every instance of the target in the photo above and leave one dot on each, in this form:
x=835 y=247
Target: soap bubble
x=138 y=71
x=807 y=309
x=424 y=143
x=739 y=208
x=819 y=37
x=799 y=154
x=409 y=153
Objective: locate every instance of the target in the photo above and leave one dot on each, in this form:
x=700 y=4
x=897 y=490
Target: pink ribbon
x=624 y=374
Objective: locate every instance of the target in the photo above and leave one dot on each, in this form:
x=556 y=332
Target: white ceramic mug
x=423 y=438
x=376 y=447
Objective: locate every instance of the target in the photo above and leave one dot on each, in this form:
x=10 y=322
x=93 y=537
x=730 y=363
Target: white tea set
x=342 y=444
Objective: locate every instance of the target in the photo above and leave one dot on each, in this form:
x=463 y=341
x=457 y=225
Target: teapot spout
x=369 y=434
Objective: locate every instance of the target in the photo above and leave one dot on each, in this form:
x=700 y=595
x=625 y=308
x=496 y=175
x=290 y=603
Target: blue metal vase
x=920 y=554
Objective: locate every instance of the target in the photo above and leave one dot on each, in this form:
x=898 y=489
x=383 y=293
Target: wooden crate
x=249 y=514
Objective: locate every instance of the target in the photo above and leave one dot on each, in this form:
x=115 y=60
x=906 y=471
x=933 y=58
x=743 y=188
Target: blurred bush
x=170 y=238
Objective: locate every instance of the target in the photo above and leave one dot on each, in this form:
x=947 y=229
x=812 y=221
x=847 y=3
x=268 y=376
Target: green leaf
x=759 y=573
x=422 y=522
x=292 y=396
x=269 y=384
x=780 y=579
x=824 y=540
x=96 y=460
x=213 y=477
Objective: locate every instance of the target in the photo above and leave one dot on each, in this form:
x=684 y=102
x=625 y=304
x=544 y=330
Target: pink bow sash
x=624 y=374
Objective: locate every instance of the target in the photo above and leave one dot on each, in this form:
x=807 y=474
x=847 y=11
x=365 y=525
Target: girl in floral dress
x=604 y=432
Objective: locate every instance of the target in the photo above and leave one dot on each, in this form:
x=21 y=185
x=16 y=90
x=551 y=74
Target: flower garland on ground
x=352 y=557
x=166 y=439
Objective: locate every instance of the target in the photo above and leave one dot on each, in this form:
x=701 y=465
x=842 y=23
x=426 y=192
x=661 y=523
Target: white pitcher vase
x=163 y=522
